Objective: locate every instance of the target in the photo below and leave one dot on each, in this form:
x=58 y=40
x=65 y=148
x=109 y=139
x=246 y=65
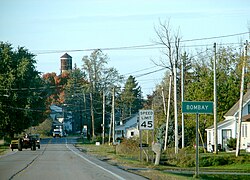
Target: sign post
x=197 y=107
x=146 y=122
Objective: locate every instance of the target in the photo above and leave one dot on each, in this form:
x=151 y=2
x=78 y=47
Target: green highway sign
x=197 y=107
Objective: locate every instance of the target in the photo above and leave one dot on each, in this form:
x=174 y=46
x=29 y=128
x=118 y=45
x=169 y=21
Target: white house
x=57 y=114
x=128 y=127
x=228 y=128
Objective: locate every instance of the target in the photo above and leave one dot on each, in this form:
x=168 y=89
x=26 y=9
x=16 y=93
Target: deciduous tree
x=21 y=90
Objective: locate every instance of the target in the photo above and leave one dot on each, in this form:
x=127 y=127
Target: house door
x=226 y=134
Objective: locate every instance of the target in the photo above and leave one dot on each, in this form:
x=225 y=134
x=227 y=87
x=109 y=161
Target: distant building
x=61 y=118
x=128 y=128
x=66 y=63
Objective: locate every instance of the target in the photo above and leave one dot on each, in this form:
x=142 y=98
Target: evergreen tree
x=131 y=100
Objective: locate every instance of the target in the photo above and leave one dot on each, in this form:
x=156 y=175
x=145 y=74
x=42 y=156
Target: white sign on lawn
x=146 y=119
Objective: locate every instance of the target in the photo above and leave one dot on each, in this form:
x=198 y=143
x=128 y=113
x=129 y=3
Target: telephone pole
x=113 y=115
x=103 y=118
x=167 y=121
x=215 y=105
x=241 y=102
x=182 y=99
x=175 y=110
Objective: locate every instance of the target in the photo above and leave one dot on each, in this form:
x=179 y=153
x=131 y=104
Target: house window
x=244 y=130
x=132 y=133
x=209 y=136
x=248 y=108
x=226 y=134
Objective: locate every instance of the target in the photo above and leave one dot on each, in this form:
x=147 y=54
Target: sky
x=50 y=28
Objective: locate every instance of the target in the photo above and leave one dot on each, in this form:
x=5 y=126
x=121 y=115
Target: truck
x=57 y=133
x=24 y=142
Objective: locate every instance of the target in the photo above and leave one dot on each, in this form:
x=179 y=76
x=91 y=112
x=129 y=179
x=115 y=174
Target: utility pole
x=92 y=116
x=165 y=113
x=103 y=118
x=215 y=105
x=182 y=99
x=241 y=102
x=110 y=128
x=113 y=114
x=163 y=101
x=167 y=122
x=85 y=114
x=175 y=109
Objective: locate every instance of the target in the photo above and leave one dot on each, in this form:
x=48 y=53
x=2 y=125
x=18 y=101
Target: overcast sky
x=44 y=26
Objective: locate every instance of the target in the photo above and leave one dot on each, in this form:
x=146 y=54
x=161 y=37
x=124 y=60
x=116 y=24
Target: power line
x=144 y=46
x=140 y=75
x=35 y=88
x=140 y=70
x=215 y=37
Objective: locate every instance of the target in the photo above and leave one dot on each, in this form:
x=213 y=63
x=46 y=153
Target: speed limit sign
x=146 y=119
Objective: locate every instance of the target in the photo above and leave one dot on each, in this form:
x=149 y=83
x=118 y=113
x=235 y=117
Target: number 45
x=148 y=124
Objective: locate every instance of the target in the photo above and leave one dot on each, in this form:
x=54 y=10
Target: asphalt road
x=58 y=159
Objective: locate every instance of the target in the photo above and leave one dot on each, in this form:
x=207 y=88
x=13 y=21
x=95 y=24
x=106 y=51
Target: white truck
x=57 y=133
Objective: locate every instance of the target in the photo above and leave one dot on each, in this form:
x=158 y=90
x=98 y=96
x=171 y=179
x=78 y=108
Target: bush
x=206 y=161
x=186 y=161
x=128 y=146
x=231 y=143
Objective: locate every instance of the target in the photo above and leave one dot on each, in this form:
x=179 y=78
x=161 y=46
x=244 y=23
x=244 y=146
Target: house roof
x=246 y=118
x=56 y=108
x=235 y=108
x=66 y=55
x=128 y=122
x=220 y=124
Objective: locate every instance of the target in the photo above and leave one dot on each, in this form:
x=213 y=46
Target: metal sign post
x=197 y=147
x=197 y=107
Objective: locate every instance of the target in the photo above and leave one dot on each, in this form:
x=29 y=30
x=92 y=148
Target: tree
x=75 y=98
x=130 y=97
x=200 y=87
x=172 y=52
x=55 y=86
x=101 y=79
x=22 y=99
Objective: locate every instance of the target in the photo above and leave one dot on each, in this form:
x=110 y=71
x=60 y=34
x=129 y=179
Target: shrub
x=128 y=146
x=186 y=161
x=231 y=143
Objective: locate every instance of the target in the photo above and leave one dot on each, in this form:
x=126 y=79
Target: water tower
x=66 y=63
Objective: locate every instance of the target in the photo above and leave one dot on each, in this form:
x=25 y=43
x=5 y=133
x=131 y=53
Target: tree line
x=26 y=94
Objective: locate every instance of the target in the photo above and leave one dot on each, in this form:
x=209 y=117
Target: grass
x=130 y=161
x=232 y=167
x=4 y=149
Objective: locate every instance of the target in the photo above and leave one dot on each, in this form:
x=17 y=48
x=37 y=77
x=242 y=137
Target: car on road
x=28 y=141
x=14 y=144
x=37 y=139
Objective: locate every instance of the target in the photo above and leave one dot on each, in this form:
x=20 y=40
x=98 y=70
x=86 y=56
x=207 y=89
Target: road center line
x=119 y=177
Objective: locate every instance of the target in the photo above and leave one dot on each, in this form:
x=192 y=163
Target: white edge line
x=119 y=177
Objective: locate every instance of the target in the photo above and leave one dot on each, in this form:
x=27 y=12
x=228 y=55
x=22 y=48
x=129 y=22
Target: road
x=58 y=159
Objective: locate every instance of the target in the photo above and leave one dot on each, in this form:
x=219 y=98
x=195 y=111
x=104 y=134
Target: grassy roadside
x=108 y=153
x=4 y=149
x=147 y=169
